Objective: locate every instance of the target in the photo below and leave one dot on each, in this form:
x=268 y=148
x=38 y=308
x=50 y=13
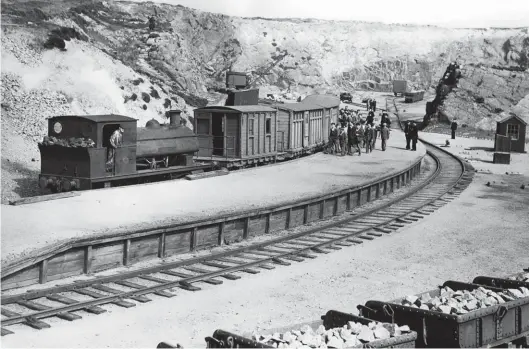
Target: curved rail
x=436 y=188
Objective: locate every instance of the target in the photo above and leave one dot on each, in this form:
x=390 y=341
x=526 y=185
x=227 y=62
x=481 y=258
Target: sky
x=448 y=13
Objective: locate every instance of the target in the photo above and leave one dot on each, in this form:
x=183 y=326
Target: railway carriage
x=236 y=136
x=304 y=126
x=301 y=127
x=331 y=105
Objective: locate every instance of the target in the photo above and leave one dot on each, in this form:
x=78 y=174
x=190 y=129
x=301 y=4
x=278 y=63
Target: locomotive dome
x=152 y=124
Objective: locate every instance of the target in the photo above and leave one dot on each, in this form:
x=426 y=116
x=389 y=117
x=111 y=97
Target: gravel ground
x=121 y=210
x=483 y=232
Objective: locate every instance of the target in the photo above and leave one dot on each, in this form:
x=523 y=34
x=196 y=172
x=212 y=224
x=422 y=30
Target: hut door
x=217 y=131
x=306 y=129
x=326 y=119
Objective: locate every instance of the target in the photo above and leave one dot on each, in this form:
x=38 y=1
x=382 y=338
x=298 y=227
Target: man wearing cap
x=342 y=136
x=384 y=136
x=333 y=139
x=454 y=128
x=354 y=139
x=116 y=140
x=375 y=135
x=414 y=135
x=407 y=134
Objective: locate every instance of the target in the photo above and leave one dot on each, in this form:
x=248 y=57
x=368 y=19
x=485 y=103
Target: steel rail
x=9 y=299
x=185 y=282
x=403 y=215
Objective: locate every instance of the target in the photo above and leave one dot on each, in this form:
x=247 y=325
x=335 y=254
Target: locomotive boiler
x=78 y=154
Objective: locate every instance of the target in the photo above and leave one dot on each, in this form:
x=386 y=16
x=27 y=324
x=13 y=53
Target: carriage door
x=326 y=127
x=306 y=129
x=217 y=131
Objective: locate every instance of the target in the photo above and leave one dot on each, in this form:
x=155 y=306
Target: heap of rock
x=462 y=302
x=524 y=277
x=354 y=334
x=70 y=142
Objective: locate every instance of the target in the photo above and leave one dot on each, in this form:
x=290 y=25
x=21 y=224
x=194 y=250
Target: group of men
x=347 y=116
x=371 y=104
x=352 y=137
x=411 y=131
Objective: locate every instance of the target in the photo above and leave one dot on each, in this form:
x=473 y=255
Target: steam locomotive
x=74 y=155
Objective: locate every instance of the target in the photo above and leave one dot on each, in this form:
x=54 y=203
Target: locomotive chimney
x=174 y=117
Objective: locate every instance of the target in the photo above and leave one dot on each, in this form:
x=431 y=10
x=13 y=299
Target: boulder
x=335 y=343
x=410 y=299
x=366 y=335
x=393 y=329
x=381 y=333
x=404 y=329
x=445 y=309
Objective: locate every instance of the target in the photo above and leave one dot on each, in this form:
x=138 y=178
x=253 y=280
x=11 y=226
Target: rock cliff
x=81 y=57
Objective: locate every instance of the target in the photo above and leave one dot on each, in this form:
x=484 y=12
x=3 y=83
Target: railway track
x=447 y=178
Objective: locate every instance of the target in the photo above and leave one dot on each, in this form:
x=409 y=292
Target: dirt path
x=483 y=232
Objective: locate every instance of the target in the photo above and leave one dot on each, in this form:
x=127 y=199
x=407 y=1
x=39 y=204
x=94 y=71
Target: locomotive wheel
x=57 y=188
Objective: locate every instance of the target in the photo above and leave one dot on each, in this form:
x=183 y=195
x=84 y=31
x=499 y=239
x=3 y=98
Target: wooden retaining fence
x=90 y=255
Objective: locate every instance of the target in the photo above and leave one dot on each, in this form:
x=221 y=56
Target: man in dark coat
x=333 y=139
x=368 y=137
x=342 y=136
x=370 y=117
x=385 y=120
x=353 y=139
x=351 y=129
x=407 y=130
x=151 y=23
x=374 y=105
x=454 y=128
x=375 y=135
x=414 y=135
x=384 y=135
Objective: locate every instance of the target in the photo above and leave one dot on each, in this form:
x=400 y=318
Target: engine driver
x=116 y=140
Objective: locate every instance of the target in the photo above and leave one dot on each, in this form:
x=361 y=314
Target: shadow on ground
x=481 y=148
x=26 y=179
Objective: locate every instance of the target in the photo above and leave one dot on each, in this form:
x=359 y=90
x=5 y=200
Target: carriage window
x=203 y=126
x=512 y=131
x=250 y=127
x=268 y=126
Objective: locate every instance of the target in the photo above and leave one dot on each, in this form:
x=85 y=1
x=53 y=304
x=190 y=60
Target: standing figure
x=333 y=139
x=375 y=135
x=407 y=130
x=350 y=138
x=151 y=23
x=361 y=133
x=454 y=128
x=414 y=135
x=385 y=120
x=384 y=136
x=116 y=140
x=368 y=138
x=355 y=132
x=374 y=105
x=368 y=104
x=370 y=117
x=343 y=140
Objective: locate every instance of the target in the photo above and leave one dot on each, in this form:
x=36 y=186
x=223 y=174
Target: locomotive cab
x=76 y=150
